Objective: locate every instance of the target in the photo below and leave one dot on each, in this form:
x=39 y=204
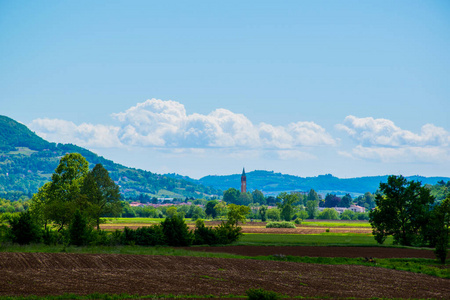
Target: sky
x=349 y=88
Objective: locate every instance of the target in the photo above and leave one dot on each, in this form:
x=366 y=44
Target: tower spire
x=243 y=182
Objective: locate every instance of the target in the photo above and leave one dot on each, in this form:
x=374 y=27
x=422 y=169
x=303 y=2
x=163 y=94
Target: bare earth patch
x=59 y=273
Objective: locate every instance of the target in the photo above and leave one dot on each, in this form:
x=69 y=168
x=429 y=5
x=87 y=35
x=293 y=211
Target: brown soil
x=59 y=273
x=312 y=251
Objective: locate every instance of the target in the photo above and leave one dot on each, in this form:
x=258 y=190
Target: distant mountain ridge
x=28 y=161
x=271 y=183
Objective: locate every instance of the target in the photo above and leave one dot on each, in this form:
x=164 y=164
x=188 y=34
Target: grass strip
x=322 y=239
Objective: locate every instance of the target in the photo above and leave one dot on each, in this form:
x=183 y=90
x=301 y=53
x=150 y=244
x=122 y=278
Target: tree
x=231 y=196
x=312 y=208
x=176 y=232
x=348 y=215
x=346 y=201
x=312 y=196
x=441 y=228
x=258 y=197
x=287 y=200
x=273 y=214
x=23 y=229
x=403 y=209
x=102 y=194
x=210 y=208
x=221 y=209
x=79 y=230
x=263 y=213
x=244 y=199
x=237 y=213
x=64 y=190
x=328 y=214
x=332 y=200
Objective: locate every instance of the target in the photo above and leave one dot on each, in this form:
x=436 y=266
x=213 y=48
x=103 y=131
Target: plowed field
x=377 y=252
x=59 y=273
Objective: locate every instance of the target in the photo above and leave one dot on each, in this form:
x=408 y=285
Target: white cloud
x=382 y=140
x=383 y=132
x=166 y=125
x=85 y=135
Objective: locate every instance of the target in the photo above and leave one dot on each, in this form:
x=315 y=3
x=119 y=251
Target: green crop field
x=323 y=239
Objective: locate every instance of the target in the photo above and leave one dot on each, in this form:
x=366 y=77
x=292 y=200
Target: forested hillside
x=272 y=183
x=27 y=162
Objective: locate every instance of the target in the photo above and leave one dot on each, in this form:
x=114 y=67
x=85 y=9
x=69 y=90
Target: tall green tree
x=237 y=213
x=64 y=190
x=403 y=210
x=312 y=208
x=231 y=196
x=441 y=228
x=102 y=194
x=210 y=208
x=346 y=201
x=258 y=197
x=286 y=205
x=312 y=196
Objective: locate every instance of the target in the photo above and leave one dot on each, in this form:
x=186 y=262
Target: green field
x=323 y=239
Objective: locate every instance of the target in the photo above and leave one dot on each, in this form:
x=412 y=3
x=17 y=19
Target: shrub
x=150 y=236
x=280 y=225
x=50 y=237
x=205 y=235
x=79 y=231
x=23 y=230
x=298 y=221
x=261 y=294
x=227 y=233
x=176 y=232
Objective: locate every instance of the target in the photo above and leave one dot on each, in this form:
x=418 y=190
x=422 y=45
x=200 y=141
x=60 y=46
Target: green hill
x=27 y=162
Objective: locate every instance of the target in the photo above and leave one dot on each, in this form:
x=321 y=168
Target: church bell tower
x=243 y=182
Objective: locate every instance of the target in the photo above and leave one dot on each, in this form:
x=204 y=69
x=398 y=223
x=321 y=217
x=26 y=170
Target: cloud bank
x=381 y=139
x=166 y=126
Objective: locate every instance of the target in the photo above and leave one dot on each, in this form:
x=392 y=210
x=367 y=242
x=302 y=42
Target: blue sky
x=351 y=88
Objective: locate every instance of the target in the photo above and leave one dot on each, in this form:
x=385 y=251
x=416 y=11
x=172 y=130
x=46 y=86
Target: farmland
x=322 y=264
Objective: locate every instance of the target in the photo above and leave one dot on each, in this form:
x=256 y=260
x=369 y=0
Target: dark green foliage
x=143 y=236
x=440 y=229
x=210 y=210
x=23 y=230
x=261 y=294
x=228 y=233
x=231 y=196
x=50 y=237
x=403 y=211
x=176 y=232
x=263 y=213
x=205 y=235
x=79 y=231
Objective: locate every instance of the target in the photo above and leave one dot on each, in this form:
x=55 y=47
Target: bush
x=150 y=236
x=280 y=225
x=261 y=294
x=328 y=214
x=50 y=237
x=228 y=233
x=176 y=232
x=298 y=221
x=205 y=235
x=23 y=230
x=79 y=231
